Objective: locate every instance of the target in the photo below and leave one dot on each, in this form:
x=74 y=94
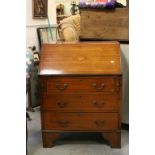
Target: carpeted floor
x=72 y=143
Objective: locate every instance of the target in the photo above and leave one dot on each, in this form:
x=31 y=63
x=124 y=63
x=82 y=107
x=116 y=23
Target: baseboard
x=125 y=126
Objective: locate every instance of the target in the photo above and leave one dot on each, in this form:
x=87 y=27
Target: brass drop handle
x=98 y=104
x=99 y=123
x=63 y=123
x=62 y=104
x=98 y=87
x=61 y=87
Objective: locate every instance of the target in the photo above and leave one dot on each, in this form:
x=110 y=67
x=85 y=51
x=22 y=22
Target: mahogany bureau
x=81 y=85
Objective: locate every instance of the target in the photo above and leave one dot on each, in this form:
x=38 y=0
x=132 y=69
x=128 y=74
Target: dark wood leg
x=114 y=138
x=28 y=91
x=49 y=139
x=28 y=117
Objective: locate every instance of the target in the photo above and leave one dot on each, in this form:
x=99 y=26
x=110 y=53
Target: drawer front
x=78 y=85
x=82 y=102
x=80 y=121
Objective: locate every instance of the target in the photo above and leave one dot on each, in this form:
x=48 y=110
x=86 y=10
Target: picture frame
x=40 y=9
x=46 y=35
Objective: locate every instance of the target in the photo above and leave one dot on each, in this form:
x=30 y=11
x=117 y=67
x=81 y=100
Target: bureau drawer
x=96 y=102
x=81 y=84
x=80 y=121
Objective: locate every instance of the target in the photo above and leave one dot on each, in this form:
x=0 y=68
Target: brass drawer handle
x=98 y=104
x=63 y=87
x=63 y=123
x=98 y=87
x=62 y=104
x=99 y=123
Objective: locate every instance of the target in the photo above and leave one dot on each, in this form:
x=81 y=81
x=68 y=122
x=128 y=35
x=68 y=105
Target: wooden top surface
x=109 y=24
x=84 y=58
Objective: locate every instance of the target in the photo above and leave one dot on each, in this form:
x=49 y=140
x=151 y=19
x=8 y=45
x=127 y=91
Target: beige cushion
x=70 y=28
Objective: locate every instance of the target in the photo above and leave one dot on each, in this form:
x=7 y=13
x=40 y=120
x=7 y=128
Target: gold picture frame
x=40 y=9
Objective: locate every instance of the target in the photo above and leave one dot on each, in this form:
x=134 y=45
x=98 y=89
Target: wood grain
x=94 y=102
x=80 y=121
x=49 y=139
x=80 y=84
x=114 y=138
x=81 y=90
x=105 y=25
x=80 y=58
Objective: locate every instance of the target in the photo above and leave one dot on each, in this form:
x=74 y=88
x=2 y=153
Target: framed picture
x=40 y=9
x=46 y=35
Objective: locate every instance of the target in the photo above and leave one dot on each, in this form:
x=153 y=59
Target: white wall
x=125 y=69
x=67 y=6
x=32 y=24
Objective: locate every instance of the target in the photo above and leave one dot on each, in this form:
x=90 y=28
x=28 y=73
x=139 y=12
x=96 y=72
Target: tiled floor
x=72 y=144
